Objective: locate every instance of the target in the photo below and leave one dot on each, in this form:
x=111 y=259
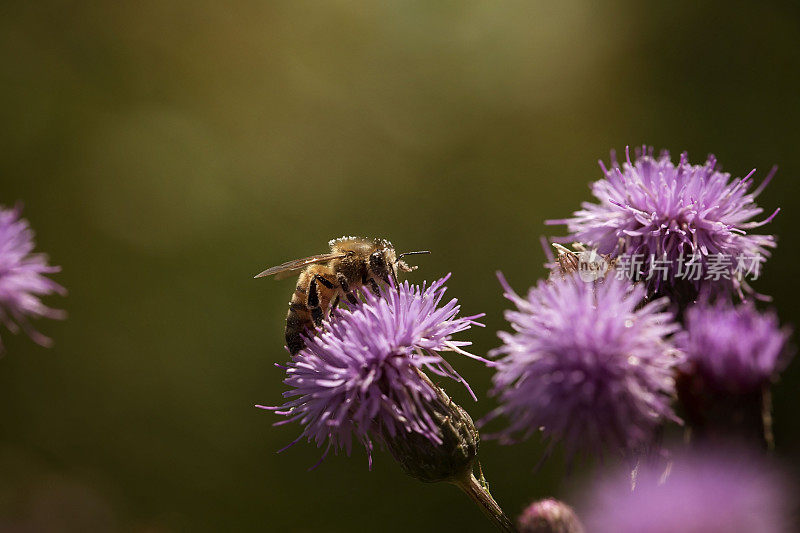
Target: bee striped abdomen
x=298 y=321
x=309 y=305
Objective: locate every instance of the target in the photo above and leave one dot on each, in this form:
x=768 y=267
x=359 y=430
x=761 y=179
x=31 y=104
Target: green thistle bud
x=431 y=462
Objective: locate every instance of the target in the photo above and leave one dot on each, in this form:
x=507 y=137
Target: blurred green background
x=168 y=151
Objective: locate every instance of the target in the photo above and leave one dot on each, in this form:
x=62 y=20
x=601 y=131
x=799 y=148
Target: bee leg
x=313 y=296
x=317 y=316
x=313 y=303
x=324 y=281
x=335 y=303
x=345 y=285
x=313 y=292
x=373 y=285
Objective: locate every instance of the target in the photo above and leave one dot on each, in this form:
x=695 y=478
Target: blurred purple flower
x=585 y=366
x=360 y=376
x=22 y=277
x=549 y=516
x=735 y=349
x=723 y=492
x=651 y=206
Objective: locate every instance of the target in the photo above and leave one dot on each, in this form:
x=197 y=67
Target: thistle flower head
x=719 y=492
x=675 y=213
x=361 y=376
x=549 y=516
x=734 y=349
x=22 y=277
x=585 y=365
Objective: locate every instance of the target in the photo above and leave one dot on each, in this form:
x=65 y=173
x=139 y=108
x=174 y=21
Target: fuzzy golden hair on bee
x=324 y=280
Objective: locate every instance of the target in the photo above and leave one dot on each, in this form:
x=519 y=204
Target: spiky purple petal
x=585 y=365
x=360 y=376
x=653 y=207
x=23 y=278
x=735 y=349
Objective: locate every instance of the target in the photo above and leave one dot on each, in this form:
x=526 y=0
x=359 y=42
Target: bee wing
x=297 y=264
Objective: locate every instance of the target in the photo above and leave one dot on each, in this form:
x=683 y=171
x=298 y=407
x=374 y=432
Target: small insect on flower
x=352 y=263
x=22 y=278
x=361 y=377
x=585 y=365
x=590 y=265
x=735 y=349
x=691 y=222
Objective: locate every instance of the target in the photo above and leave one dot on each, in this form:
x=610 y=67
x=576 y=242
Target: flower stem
x=478 y=492
x=766 y=417
x=719 y=416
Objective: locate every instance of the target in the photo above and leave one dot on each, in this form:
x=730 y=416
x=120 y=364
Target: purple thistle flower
x=22 y=277
x=652 y=207
x=735 y=349
x=703 y=492
x=585 y=366
x=361 y=376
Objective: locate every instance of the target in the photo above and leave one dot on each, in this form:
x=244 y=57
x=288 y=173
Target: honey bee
x=353 y=263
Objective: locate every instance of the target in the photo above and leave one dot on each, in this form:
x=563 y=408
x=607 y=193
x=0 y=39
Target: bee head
x=386 y=261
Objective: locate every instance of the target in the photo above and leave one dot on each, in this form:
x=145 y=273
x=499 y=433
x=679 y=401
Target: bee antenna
x=420 y=252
